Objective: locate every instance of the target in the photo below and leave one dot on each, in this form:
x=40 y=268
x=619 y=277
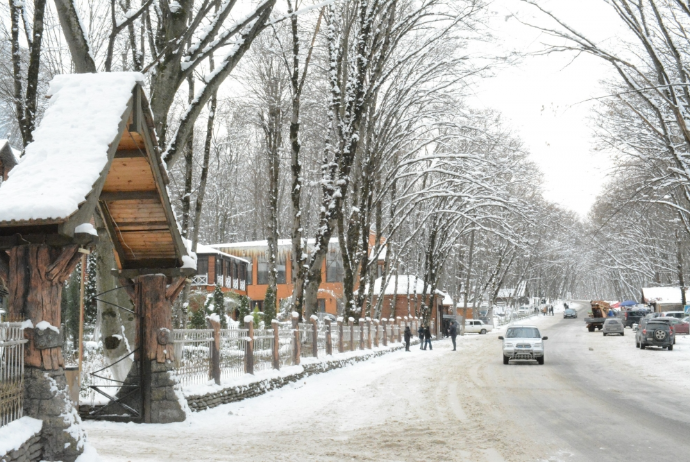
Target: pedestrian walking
x=453 y=333
x=427 y=338
x=544 y=310
x=420 y=332
x=408 y=337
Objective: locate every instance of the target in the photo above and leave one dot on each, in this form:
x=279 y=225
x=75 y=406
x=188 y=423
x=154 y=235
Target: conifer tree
x=219 y=306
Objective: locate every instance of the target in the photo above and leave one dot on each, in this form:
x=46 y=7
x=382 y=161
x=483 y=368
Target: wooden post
x=249 y=356
x=376 y=333
x=314 y=335
x=385 y=334
x=351 y=323
x=368 y=332
x=329 y=337
x=214 y=369
x=297 y=350
x=340 y=335
x=82 y=289
x=276 y=344
x=361 y=335
x=400 y=328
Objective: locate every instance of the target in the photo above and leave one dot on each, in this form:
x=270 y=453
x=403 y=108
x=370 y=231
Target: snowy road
x=612 y=402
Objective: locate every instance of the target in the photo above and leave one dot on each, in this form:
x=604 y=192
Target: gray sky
x=542 y=97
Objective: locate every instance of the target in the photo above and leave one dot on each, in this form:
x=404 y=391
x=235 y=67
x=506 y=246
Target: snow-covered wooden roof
x=95 y=149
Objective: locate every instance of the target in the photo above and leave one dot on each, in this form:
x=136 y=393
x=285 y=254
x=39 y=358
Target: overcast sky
x=542 y=97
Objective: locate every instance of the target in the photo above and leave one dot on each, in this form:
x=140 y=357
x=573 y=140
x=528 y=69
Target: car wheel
x=483 y=331
x=506 y=359
x=540 y=360
x=670 y=348
x=642 y=346
x=591 y=328
x=637 y=344
x=622 y=334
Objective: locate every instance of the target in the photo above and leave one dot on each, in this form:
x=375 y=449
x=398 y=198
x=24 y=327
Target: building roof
x=664 y=295
x=96 y=148
x=512 y=292
x=202 y=249
x=70 y=147
x=447 y=300
x=406 y=285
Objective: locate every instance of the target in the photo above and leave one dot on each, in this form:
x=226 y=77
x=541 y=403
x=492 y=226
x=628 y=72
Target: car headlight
x=538 y=345
x=508 y=345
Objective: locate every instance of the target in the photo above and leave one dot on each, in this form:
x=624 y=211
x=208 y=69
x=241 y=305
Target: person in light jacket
x=408 y=337
x=453 y=333
x=427 y=338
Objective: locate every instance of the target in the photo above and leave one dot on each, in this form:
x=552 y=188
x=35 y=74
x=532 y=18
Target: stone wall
x=20 y=441
x=238 y=393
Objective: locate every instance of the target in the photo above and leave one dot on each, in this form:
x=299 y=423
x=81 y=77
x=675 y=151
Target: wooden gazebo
x=95 y=153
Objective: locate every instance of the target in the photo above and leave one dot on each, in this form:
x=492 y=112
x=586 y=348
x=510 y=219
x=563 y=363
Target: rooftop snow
x=251 y=244
x=664 y=295
x=205 y=249
x=402 y=285
x=70 y=146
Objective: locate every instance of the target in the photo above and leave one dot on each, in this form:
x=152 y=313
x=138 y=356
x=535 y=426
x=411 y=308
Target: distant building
x=406 y=298
x=242 y=267
x=665 y=298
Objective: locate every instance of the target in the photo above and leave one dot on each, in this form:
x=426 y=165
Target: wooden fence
x=223 y=354
x=11 y=371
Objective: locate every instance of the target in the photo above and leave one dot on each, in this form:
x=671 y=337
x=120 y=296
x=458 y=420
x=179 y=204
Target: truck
x=598 y=314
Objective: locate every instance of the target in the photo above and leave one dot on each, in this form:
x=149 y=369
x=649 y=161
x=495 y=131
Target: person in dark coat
x=453 y=333
x=420 y=332
x=427 y=338
x=408 y=337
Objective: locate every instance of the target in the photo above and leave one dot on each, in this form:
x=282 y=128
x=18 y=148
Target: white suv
x=475 y=326
x=523 y=342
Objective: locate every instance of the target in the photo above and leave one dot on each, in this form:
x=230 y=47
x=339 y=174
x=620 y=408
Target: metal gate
x=125 y=389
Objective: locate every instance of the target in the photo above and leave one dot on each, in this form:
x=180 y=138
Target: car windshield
x=523 y=332
x=656 y=325
x=611 y=321
x=569 y=310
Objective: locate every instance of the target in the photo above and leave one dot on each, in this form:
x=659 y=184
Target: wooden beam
x=130 y=153
x=109 y=196
x=53 y=240
x=114 y=237
x=169 y=272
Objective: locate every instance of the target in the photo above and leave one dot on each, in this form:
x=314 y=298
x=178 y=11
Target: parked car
x=569 y=313
x=633 y=317
x=523 y=343
x=476 y=326
x=523 y=310
x=655 y=333
x=672 y=322
x=674 y=314
x=679 y=326
x=613 y=326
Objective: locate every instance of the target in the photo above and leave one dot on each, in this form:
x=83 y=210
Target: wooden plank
x=112 y=196
x=167 y=271
x=130 y=153
x=114 y=237
x=131 y=140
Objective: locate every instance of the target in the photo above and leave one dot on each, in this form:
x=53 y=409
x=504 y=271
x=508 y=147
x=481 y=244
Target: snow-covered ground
x=443 y=405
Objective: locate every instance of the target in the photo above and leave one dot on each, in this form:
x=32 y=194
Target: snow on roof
x=447 y=300
x=205 y=249
x=402 y=285
x=664 y=295
x=254 y=244
x=70 y=146
x=512 y=292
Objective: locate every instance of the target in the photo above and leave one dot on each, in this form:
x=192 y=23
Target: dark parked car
x=634 y=316
x=654 y=333
x=569 y=313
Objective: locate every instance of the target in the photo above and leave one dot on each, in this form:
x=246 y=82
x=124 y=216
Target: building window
x=257 y=304
x=262 y=271
x=250 y=273
x=322 y=305
x=202 y=265
x=334 y=267
x=219 y=271
x=280 y=268
x=379 y=271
